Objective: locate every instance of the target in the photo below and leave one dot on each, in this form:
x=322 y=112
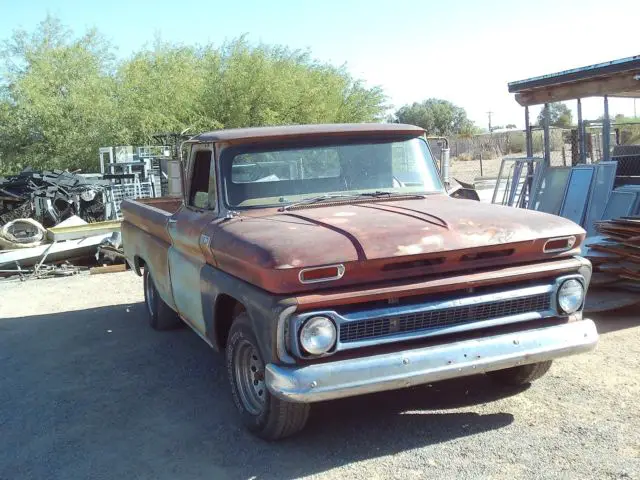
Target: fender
x=263 y=308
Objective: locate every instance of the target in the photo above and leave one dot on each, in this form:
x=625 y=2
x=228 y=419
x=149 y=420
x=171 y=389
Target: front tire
x=522 y=375
x=161 y=316
x=263 y=414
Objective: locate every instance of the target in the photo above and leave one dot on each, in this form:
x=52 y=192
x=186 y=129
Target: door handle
x=172 y=221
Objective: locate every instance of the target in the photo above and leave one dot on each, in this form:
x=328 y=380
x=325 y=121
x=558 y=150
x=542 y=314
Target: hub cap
x=249 y=373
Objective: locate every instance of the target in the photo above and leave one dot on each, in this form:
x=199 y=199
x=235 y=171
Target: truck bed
x=167 y=204
x=151 y=214
x=145 y=236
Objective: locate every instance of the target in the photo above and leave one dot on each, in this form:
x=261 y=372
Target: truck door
x=186 y=258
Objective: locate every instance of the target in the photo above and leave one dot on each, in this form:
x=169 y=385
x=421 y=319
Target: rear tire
x=161 y=316
x=521 y=375
x=263 y=414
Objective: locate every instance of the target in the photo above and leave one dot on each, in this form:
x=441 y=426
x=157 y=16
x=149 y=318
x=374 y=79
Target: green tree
x=559 y=116
x=438 y=117
x=57 y=98
x=62 y=96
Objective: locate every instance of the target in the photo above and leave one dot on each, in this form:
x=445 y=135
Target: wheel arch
x=138 y=264
x=225 y=310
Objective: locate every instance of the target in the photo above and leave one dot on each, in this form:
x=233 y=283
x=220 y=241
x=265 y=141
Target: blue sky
x=464 y=51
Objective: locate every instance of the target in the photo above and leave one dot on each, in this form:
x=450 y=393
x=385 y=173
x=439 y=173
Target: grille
x=424 y=321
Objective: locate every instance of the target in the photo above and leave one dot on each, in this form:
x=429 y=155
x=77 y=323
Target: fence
x=480 y=156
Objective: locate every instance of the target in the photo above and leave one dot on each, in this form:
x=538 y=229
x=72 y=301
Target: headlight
x=318 y=335
x=570 y=296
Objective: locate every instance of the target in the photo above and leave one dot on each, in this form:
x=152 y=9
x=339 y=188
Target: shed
x=617 y=78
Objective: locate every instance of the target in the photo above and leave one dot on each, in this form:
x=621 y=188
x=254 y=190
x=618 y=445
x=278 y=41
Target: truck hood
x=385 y=233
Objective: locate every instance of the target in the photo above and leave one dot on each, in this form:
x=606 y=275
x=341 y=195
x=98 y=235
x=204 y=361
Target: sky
x=463 y=51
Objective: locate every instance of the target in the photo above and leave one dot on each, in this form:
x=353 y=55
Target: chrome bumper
x=357 y=376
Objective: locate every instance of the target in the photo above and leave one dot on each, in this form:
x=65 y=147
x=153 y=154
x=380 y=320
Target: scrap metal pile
x=35 y=207
x=615 y=254
x=50 y=197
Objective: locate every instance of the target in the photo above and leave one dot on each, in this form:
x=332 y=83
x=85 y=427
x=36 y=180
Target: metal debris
x=50 y=197
x=40 y=272
x=615 y=256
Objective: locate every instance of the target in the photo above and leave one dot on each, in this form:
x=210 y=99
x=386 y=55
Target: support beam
x=622 y=83
x=606 y=132
x=581 y=141
x=527 y=133
x=547 y=136
x=526 y=196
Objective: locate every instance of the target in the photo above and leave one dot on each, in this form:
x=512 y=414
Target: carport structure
x=617 y=78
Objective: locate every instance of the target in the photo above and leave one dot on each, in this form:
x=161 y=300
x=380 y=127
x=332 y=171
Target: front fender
x=264 y=309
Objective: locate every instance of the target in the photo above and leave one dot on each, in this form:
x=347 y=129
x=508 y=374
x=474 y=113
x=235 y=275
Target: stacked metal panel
x=615 y=254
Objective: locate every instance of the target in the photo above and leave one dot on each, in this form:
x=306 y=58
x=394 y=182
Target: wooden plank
x=121 y=267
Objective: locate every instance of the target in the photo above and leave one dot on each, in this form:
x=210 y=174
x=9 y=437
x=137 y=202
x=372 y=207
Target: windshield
x=277 y=177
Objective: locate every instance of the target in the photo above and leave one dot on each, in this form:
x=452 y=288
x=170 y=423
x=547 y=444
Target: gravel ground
x=89 y=391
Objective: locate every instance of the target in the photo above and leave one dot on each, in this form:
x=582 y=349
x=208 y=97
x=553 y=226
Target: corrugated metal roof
x=576 y=74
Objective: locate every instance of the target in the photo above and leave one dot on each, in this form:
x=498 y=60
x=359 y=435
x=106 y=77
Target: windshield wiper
x=324 y=198
x=319 y=198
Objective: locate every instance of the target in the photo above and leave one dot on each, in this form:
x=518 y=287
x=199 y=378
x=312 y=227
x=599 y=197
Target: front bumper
x=357 y=376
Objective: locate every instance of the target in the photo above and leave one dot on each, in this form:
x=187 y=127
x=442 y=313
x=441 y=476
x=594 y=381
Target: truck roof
x=242 y=135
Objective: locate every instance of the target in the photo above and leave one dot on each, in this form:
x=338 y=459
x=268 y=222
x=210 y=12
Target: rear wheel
x=520 y=375
x=161 y=316
x=263 y=414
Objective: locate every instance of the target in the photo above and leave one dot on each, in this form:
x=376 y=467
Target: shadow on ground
x=97 y=394
x=615 y=320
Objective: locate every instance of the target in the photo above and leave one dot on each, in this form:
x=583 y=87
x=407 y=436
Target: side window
x=199 y=194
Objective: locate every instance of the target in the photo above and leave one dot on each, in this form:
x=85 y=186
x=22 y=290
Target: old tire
x=521 y=375
x=161 y=316
x=263 y=414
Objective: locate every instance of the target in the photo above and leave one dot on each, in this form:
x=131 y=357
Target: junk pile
x=615 y=254
x=54 y=217
x=50 y=197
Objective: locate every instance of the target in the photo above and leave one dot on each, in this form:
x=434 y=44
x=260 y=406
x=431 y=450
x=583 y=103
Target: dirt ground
x=89 y=391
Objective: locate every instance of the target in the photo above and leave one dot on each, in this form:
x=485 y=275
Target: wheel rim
x=249 y=373
x=150 y=294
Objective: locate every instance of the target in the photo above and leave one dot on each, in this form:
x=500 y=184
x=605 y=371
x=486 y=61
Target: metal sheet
x=82 y=231
x=600 y=191
x=513 y=186
x=549 y=190
x=620 y=204
x=574 y=204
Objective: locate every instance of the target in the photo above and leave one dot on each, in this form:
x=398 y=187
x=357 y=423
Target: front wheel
x=521 y=375
x=263 y=414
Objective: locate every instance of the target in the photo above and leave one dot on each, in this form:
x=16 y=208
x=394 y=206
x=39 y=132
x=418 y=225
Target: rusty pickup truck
x=328 y=261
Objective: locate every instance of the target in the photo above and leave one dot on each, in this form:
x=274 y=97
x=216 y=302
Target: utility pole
x=489 y=115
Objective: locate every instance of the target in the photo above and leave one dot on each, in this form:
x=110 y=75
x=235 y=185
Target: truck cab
x=328 y=261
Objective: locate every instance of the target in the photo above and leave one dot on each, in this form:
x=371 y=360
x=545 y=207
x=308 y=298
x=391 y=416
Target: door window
x=202 y=192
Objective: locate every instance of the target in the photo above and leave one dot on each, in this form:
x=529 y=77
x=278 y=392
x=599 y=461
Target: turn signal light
x=321 y=274
x=561 y=244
